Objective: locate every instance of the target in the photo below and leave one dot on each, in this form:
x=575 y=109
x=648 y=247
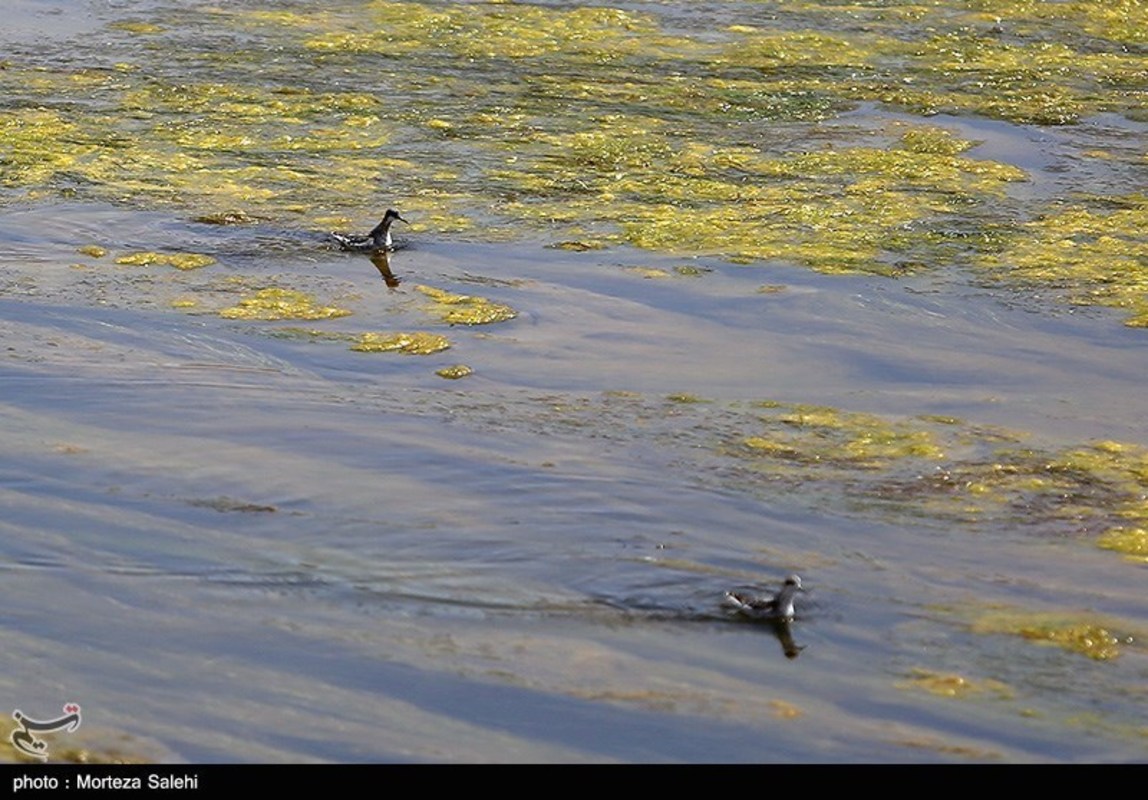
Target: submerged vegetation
x=608 y=126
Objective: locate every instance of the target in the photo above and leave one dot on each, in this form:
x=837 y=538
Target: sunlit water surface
x=229 y=545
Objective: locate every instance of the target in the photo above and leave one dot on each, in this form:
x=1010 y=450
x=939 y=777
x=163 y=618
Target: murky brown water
x=231 y=544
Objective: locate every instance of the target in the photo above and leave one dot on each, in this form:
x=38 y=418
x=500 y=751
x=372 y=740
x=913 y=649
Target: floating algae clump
x=827 y=434
x=952 y=685
x=944 y=469
x=1082 y=636
x=489 y=31
x=463 y=309
x=419 y=344
x=1097 y=256
x=183 y=261
x=35 y=144
x=850 y=209
x=454 y=372
x=1133 y=542
x=276 y=303
x=596 y=125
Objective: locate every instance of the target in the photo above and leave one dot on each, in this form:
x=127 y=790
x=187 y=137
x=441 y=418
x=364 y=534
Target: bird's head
x=794 y=581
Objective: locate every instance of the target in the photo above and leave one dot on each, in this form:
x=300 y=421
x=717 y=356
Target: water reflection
x=782 y=630
x=382 y=261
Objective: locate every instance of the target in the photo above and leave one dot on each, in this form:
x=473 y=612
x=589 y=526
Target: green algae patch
x=415 y=343
x=1083 y=636
x=1091 y=254
x=233 y=217
x=1022 y=61
x=649 y=272
x=92 y=250
x=310 y=335
x=578 y=246
x=275 y=303
x=685 y=399
x=597 y=126
x=690 y=271
x=482 y=32
x=840 y=210
x=37 y=143
x=184 y=261
x=136 y=27
x=952 y=685
x=825 y=433
x=454 y=372
x=419 y=344
x=463 y=309
x=1131 y=542
x=943 y=469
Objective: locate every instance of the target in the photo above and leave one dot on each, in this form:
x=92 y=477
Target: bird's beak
x=400 y=219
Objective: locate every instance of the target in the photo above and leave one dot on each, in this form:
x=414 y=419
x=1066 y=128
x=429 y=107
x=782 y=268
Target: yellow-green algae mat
x=275 y=303
x=936 y=470
x=601 y=125
x=412 y=343
x=421 y=343
x=179 y=260
x=465 y=309
x=184 y=261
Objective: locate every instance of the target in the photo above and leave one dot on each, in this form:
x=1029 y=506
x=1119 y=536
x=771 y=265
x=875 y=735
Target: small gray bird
x=378 y=239
x=778 y=607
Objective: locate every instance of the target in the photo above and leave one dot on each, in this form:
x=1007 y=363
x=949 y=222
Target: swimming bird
x=778 y=607
x=378 y=239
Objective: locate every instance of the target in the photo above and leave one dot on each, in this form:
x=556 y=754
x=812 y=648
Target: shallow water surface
x=237 y=538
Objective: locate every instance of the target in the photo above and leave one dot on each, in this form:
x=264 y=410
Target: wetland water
x=767 y=317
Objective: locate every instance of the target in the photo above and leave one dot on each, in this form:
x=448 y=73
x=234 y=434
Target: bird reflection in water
x=781 y=629
x=382 y=261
